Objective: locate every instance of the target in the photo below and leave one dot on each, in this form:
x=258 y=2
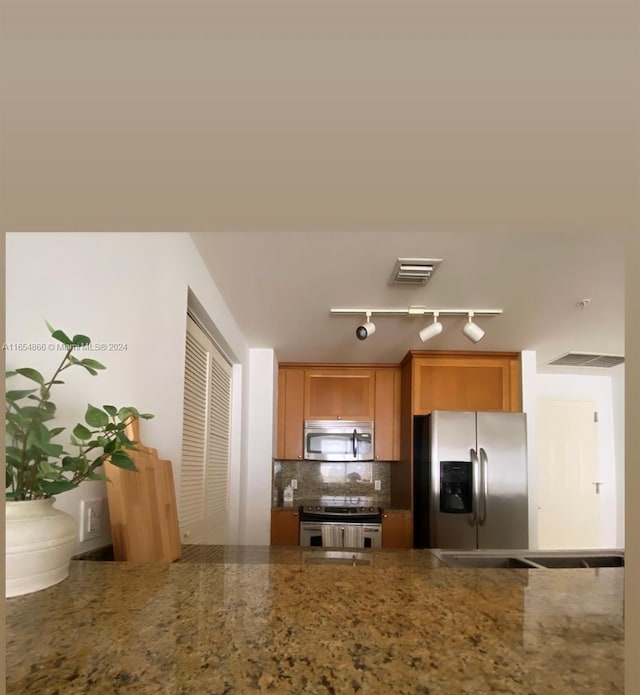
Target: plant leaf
x=96 y=417
x=97 y=476
x=81 y=432
x=80 y=340
x=32 y=374
x=62 y=337
x=71 y=463
x=122 y=437
x=125 y=412
x=122 y=460
x=18 y=394
x=111 y=409
x=54 y=450
x=57 y=486
x=94 y=364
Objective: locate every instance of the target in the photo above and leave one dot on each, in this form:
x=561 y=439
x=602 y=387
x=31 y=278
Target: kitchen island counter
x=299 y=620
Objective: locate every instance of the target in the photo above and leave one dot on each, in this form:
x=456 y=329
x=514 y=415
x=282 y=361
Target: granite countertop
x=238 y=620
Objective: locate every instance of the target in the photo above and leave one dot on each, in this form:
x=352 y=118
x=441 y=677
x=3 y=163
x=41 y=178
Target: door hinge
x=595 y=416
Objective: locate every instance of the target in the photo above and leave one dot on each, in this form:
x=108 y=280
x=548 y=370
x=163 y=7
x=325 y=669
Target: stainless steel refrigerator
x=470 y=480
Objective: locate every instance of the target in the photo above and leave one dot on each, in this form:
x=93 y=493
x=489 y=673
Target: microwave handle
x=355 y=444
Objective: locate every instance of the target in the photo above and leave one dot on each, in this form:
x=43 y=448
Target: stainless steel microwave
x=338 y=440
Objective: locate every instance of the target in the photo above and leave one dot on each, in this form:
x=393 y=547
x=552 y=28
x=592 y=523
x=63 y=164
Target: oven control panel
x=340 y=510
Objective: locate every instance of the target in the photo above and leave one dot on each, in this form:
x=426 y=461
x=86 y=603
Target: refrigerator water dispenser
x=455 y=487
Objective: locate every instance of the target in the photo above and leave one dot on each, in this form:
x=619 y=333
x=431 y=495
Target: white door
x=203 y=507
x=569 y=504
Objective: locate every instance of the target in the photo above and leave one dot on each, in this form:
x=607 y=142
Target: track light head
x=471 y=330
x=432 y=330
x=366 y=329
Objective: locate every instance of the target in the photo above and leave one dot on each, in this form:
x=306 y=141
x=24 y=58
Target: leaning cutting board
x=142 y=506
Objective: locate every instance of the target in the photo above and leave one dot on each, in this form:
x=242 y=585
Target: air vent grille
x=414 y=271
x=587 y=359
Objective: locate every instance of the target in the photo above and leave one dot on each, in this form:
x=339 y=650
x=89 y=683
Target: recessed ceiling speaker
x=471 y=330
x=432 y=330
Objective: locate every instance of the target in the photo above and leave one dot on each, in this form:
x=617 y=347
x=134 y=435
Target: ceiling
x=308 y=145
x=280 y=287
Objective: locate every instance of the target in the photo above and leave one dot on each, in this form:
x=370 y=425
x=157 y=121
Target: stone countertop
x=238 y=620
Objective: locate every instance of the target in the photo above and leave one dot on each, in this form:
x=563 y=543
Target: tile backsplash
x=319 y=479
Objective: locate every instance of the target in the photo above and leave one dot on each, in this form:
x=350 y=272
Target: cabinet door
x=290 y=404
x=387 y=415
x=346 y=394
x=285 y=527
x=397 y=529
x=465 y=383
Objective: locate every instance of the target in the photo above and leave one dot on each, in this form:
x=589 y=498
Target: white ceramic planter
x=39 y=544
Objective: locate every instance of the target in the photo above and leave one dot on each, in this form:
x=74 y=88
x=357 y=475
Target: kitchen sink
x=524 y=559
x=336 y=557
x=567 y=561
x=485 y=561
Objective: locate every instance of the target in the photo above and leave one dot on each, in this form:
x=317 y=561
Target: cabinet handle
x=338 y=417
x=385 y=516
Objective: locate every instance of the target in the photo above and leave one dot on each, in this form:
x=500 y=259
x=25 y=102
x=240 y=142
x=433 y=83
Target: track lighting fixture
x=471 y=330
x=432 y=330
x=366 y=329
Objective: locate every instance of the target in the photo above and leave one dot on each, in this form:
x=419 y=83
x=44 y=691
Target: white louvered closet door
x=205 y=441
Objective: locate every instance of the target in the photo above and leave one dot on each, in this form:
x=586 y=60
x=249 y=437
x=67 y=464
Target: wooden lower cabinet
x=285 y=527
x=397 y=529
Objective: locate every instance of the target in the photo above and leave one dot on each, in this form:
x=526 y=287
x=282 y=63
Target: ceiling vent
x=414 y=271
x=587 y=359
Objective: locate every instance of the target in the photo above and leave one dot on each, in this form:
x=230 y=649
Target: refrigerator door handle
x=484 y=464
x=475 y=477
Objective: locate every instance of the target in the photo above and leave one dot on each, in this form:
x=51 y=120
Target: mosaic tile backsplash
x=319 y=479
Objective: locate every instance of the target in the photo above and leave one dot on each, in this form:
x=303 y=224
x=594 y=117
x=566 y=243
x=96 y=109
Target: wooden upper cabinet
x=387 y=415
x=307 y=392
x=339 y=394
x=462 y=381
x=290 y=416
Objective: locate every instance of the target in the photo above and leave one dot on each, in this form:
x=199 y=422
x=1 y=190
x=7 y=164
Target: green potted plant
x=40 y=539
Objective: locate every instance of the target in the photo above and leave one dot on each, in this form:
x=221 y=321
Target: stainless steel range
x=341 y=525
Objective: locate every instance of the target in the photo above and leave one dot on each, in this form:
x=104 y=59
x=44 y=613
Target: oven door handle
x=355 y=445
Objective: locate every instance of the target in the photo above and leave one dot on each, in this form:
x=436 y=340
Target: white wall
x=256 y=473
x=608 y=394
x=529 y=391
x=130 y=289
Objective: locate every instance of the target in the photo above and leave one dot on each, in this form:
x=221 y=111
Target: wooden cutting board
x=142 y=506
